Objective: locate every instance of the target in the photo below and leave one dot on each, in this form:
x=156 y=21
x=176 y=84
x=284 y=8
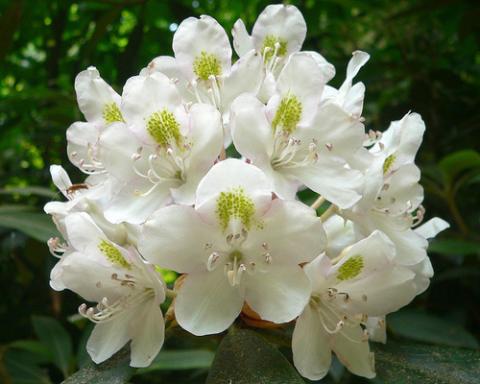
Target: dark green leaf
x=420 y=326
x=243 y=357
x=404 y=363
x=116 y=370
x=458 y=162
x=56 y=339
x=35 y=347
x=452 y=246
x=32 y=223
x=33 y=190
x=181 y=359
x=23 y=369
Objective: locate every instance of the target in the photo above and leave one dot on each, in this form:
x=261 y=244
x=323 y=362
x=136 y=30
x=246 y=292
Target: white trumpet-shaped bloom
x=236 y=245
x=127 y=289
x=363 y=281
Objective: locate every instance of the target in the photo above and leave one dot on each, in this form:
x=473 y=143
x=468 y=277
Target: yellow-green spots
x=111 y=113
x=288 y=114
x=387 y=164
x=351 y=268
x=235 y=204
x=113 y=254
x=270 y=42
x=164 y=128
x=206 y=65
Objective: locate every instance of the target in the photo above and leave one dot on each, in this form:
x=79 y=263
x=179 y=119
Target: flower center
x=351 y=268
x=288 y=114
x=235 y=204
x=113 y=254
x=164 y=128
x=271 y=44
x=206 y=65
x=111 y=113
x=387 y=164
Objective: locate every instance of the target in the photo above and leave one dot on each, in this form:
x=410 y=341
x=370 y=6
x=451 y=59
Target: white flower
x=127 y=289
x=349 y=97
x=236 y=245
x=202 y=67
x=178 y=144
x=84 y=197
x=364 y=281
x=316 y=153
x=100 y=105
x=392 y=195
x=279 y=31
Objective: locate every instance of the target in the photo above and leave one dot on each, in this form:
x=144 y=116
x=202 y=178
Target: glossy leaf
x=420 y=326
x=116 y=370
x=22 y=367
x=56 y=339
x=405 y=363
x=244 y=357
x=180 y=360
x=453 y=246
x=458 y=162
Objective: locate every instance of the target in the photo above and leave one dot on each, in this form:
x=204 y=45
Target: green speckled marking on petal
x=206 y=65
x=288 y=114
x=387 y=164
x=351 y=268
x=235 y=204
x=111 y=113
x=269 y=42
x=113 y=254
x=164 y=128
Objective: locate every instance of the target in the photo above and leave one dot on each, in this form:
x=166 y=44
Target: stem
x=223 y=154
x=317 y=203
x=328 y=213
x=171 y=293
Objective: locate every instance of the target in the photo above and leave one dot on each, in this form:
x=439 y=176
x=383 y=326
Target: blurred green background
x=424 y=57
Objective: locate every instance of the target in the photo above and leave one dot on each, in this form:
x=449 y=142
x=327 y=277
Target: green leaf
x=453 y=246
x=243 y=357
x=35 y=347
x=405 y=363
x=420 y=326
x=116 y=370
x=32 y=223
x=180 y=360
x=56 y=339
x=27 y=191
x=455 y=163
x=22 y=367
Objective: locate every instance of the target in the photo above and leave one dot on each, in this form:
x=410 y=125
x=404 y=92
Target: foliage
x=424 y=56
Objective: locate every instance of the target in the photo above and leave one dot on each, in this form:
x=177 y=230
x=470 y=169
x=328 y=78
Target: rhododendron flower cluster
x=162 y=194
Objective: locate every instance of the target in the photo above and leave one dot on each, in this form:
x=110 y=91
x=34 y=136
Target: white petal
x=144 y=95
x=206 y=138
x=279 y=294
x=311 y=346
x=331 y=178
x=82 y=231
x=357 y=61
x=194 y=36
x=328 y=70
x=176 y=238
x=251 y=132
x=246 y=76
x=377 y=330
x=303 y=78
x=81 y=139
x=133 y=204
x=284 y=22
x=93 y=93
x=340 y=234
x=149 y=332
x=228 y=175
x=242 y=41
x=432 y=228
x=60 y=178
x=108 y=338
x=293 y=232
x=355 y=356
x=206 y=303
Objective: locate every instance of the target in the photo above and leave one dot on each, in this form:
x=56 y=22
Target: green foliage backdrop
x=425 y=57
